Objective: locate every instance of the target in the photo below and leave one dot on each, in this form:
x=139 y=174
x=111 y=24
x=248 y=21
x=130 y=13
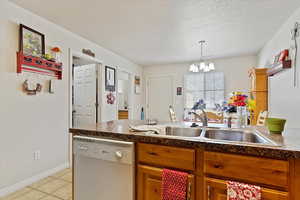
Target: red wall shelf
x=38 y=65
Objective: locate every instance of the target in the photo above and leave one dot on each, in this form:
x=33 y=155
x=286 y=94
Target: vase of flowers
x=56 y=53
x=239 y=100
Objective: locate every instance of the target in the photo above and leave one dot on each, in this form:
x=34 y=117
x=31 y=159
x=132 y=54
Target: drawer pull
x=217 y=166
x=208 y=192
x=152 y=153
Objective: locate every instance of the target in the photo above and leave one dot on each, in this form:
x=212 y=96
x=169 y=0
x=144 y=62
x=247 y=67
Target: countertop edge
x=241 y=149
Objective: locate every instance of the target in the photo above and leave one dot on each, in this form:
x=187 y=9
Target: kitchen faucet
x=203 y=118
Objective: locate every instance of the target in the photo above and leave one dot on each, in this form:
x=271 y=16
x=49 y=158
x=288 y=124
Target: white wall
x=39 y=122
x=235 y=70
x=284 y=99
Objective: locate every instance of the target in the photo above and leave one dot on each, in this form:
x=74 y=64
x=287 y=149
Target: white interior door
x=160 y=97
x=85 y=95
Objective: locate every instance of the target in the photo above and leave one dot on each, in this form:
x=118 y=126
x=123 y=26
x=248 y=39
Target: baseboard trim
x=13 y=188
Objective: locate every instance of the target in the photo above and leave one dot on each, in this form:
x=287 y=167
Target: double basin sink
x=216 y=134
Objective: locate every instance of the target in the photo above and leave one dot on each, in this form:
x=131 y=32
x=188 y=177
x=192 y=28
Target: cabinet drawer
x=250 y=169
x=217 y=189
x=166 y=156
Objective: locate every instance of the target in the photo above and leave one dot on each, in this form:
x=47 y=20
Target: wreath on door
x=110 y=98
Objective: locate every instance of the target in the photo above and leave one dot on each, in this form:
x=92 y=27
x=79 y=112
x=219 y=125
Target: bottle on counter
x=142 y=114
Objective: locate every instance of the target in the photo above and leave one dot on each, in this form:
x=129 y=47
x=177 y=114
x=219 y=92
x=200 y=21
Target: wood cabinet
x=259 y=91
x=216 y=189
x=123 y=114
x=165 y=156
x=150 y=180
x=209 y=172
x=246 y=168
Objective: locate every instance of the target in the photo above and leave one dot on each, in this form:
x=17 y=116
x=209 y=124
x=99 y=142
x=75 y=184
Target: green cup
x=276 y=125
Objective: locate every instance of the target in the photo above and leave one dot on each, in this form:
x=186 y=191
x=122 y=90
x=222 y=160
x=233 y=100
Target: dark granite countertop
x=119 y=130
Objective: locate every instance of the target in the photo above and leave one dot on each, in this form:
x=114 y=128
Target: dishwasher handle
x=101 y=140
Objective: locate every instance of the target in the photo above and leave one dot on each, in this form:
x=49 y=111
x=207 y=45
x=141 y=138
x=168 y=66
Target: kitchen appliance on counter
x=103 y=169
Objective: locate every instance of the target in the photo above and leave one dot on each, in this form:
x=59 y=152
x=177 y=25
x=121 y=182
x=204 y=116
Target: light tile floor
x=55 y=187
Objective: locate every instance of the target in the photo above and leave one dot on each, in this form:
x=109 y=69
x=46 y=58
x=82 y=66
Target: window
x=207 y=86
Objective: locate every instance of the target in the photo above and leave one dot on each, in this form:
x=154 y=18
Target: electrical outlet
x=37 y=155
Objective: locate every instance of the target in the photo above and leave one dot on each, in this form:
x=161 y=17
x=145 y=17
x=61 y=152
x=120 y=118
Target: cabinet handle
x=152 y=153
x=189 y=191
x=217 y=166
x=208 y=192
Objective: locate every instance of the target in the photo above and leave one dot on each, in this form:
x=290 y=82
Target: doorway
x=124 y=95
x=160 y=96
x=85 y=91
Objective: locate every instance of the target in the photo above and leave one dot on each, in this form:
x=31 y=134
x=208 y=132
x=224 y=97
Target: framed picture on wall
x=137 y=85
x=31 y=41
x=110 y=79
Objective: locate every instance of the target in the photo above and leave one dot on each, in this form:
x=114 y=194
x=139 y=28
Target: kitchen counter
x=119 y=130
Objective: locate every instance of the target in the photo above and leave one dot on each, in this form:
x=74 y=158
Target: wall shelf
x=279 y=67
x=38 y=65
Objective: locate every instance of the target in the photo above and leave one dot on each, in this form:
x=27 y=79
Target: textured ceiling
x=166 y=31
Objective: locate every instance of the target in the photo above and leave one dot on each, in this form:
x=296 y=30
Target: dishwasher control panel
x=103 y=149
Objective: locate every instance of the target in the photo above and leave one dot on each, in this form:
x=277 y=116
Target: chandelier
x=202 y=66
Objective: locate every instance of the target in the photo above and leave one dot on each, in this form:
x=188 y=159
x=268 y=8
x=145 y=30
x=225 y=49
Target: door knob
x=119 y=154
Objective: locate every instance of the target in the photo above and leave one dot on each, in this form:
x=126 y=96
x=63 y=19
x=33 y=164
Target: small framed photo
x=110 y=79
x=179 y=91
x=137 y=84
x=31 y=41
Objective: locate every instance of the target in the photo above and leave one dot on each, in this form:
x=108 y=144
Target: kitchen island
x=210 y=163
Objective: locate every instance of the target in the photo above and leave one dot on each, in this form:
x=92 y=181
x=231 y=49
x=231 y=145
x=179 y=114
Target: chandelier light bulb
x=202 y=65
x=211 y=66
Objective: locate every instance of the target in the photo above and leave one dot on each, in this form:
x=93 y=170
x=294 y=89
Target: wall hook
x=31 y=91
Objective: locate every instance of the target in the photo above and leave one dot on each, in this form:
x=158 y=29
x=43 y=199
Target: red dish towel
x=240 y=191
x=174 y=185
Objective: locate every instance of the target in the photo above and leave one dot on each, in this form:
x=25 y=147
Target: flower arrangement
x=238 y=99
x=56 y=51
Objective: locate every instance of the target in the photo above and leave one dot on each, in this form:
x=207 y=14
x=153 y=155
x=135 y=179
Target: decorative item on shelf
x=56 y=54
x=110 y=98
x=48 y=57
x=239 y=100
x=137 y=85
x=202 y=66
x=88 y=52
x=284 y=55
x=29 y=90
x=38 y=65
x=31 y=42
x=279 y=67
x=110 y=79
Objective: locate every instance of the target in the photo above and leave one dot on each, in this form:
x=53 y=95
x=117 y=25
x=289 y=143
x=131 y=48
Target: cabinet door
x=149 y=183
x=216 y=189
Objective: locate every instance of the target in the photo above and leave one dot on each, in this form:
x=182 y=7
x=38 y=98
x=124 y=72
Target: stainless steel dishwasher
x=103 y=169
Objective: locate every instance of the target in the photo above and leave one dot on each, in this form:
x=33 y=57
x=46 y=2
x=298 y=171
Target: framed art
x=137 y=85
x=179 y=91
x=31 y=41
x=110 y=79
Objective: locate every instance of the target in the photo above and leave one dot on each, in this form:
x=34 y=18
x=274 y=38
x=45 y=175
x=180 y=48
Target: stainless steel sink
x=245 y=136
x=183 y=132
